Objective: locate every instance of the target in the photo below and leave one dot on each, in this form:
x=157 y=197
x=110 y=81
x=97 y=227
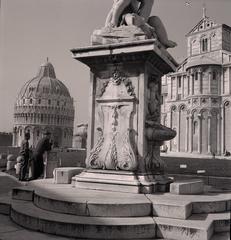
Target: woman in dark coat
x=37 y=165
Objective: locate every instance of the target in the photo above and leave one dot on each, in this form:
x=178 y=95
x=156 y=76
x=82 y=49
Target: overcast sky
x=32 y=30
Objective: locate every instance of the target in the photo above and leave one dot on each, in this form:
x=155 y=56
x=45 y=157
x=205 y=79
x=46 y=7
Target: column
x=199 y=133
x=190 y=133
x=186 y=134
x=209 y=87
x=222 y=81
x=192 y=84
x=170 y=125
x=200 y=82
x=218 y=134
x=222 y=130
x=218 y=83
x=229 y=80
x=182 y=87
x=14 y=137
x=188 y=84
x=178 y=134
x=176 y=87
x=168 y=121
x=170 y=88
x=209 y=129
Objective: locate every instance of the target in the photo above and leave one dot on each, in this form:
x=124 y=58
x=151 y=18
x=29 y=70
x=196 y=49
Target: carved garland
x=117 y=79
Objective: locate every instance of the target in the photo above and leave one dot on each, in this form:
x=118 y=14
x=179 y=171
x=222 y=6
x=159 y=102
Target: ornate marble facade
x=196 y=98
x=44 y=103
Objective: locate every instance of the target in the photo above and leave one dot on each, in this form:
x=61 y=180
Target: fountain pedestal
x=124 y=134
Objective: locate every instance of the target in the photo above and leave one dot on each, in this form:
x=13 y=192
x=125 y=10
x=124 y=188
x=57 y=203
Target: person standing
x=25 y=153
x=37 y=162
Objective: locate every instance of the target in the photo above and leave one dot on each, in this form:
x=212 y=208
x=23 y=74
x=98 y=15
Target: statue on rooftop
x=137 y=13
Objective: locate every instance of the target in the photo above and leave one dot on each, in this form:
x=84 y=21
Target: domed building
x=44 y=104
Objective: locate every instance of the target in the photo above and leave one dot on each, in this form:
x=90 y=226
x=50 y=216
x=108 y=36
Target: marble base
x=121 y=181
x=187 y=187
x=63 y=175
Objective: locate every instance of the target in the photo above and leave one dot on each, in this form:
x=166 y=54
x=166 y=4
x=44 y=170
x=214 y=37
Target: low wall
x=9 y=150
x=73 y=159
x=218 y=167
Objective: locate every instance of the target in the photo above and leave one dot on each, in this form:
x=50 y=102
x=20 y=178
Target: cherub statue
x=137 y=12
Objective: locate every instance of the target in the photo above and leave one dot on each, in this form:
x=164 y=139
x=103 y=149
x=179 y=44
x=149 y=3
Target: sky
x=32 y=30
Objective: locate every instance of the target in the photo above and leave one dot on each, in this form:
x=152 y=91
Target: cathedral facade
x=196 y=99
x=44 y=104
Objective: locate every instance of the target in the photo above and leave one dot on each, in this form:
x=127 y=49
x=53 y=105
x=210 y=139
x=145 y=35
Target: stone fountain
x=127 y=59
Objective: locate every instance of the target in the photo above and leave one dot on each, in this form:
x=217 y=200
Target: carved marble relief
x=113 y=150
x=154 y=131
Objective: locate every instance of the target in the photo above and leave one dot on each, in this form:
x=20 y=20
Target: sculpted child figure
x=137 y=12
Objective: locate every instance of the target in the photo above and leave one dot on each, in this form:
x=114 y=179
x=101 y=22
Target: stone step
x=183 y=206
x=221 y=222
x=26 y=214
x=84 y=202
x=221 y=236
x=197 y=227
x=23 y=193
x=5 y=204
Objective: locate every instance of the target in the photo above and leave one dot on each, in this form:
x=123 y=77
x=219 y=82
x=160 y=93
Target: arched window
x=214 y=75
x=204 y=44
x=49 y=101
x=31 y=101
x=195 y=124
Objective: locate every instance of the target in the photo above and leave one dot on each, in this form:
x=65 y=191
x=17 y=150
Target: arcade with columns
x=196 y=98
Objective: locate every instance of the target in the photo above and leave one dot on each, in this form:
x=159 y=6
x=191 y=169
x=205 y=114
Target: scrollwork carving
x=111 y=159
x=93 y=160
x=128 y=158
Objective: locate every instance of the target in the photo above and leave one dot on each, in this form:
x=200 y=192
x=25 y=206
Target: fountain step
x=84 y=202
x=5 y=205
x=221 y=236
x=183 y=206
x=23 y=193
x=29 y=216
x=197 y=227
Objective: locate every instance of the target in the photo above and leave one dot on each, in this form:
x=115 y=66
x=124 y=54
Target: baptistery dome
x=44 y=104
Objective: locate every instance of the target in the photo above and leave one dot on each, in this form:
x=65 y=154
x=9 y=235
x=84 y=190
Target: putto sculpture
x=134 y=13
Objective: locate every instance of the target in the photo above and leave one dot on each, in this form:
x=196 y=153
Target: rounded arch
x=173 y=108
x=182 y=107
x=194 y=112
x=226 y=103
